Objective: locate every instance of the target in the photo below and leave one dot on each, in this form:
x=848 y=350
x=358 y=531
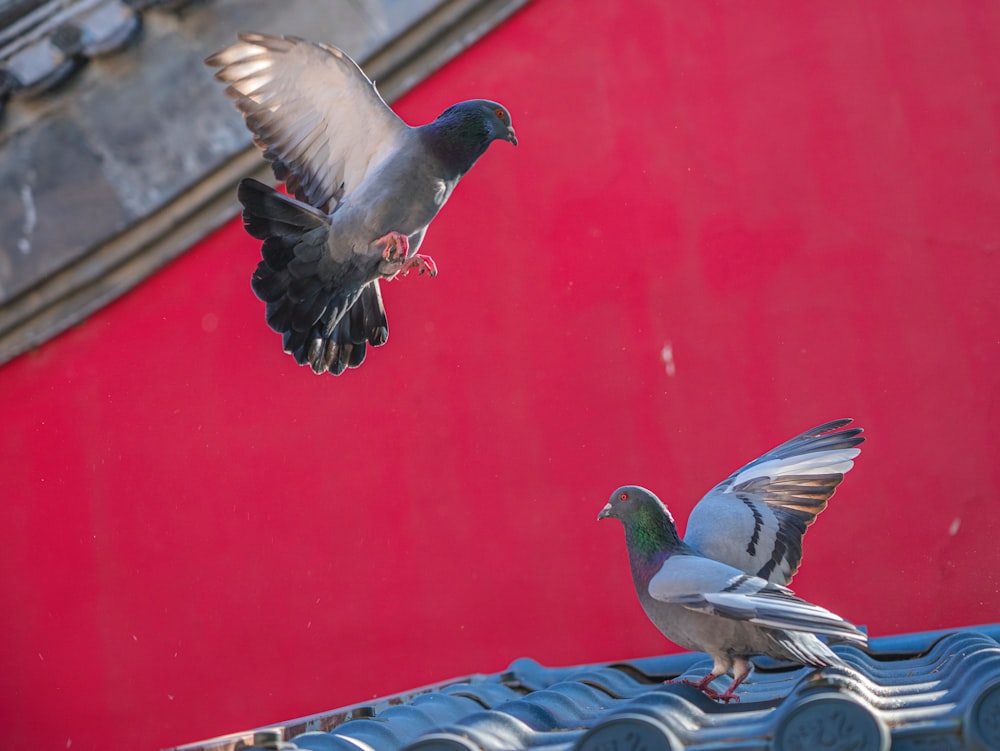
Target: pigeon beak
x=510 y=135
x=605 y=512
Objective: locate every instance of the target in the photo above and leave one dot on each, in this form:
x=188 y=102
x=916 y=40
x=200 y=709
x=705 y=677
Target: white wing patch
x=707 y=586
x=839 y=461
x=685 y=575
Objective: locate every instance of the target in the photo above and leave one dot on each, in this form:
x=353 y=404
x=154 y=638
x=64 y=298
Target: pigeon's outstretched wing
x=317 y=116
x=711 y=587
x=755 y=519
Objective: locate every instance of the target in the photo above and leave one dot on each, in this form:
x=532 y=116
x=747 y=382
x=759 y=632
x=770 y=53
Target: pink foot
x=397 y=245
x=423 y=265
x=729 y=695
x=711 y=693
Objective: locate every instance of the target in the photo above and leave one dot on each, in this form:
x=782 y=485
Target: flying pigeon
x=365 y=185
x=721 y=589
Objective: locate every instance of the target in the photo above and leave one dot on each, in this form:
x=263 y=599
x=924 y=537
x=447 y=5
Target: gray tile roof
x=934 y=690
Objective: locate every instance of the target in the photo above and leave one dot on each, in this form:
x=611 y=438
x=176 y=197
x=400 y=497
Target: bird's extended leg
x=741 y=670
x=702 y=685
x=423 y=264
x=396 y=246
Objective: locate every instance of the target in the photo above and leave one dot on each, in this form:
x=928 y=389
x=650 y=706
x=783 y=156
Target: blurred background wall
x=724 y=224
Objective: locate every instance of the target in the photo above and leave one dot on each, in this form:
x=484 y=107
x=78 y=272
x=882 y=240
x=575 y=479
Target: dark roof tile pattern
x=935 y=690
x=43 y=42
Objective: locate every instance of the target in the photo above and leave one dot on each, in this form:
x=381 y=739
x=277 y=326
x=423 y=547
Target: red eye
x=623 y=496
x=500 y=114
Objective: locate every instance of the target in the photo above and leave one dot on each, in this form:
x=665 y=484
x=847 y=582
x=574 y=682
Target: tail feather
x=278 y=314
x=375 y=326
x=325 y=323
x=313 y=304
x=268 y=213
x=335 y=347
x=268 y=283
x=345 y=344
x=805 y=649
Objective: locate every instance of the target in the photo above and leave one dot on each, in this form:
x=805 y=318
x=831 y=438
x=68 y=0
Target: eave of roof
x=925 y=690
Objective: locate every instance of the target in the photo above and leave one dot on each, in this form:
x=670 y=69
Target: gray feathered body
x=316 y=282
x=402 y=195
x=727 y=640
x=360 y=178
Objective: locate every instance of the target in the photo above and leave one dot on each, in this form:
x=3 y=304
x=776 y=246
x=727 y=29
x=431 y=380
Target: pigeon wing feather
x=318 y=117
x=713 y=588
x=755 y=519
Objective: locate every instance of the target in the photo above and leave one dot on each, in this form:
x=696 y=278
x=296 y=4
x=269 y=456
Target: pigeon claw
x=703 y=686
x=396 y=247
x=728 y=696
x=423 y=264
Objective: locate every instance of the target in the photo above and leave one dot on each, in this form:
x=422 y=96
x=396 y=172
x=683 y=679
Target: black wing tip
x=827 y=436
x=833 y=434
x=832 y=427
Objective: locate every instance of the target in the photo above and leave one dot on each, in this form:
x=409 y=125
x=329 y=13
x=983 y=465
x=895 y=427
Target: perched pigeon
x=367 y=185
x=710 y=592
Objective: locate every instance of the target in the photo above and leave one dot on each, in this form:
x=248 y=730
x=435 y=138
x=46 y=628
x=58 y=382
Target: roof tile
x=915 y=691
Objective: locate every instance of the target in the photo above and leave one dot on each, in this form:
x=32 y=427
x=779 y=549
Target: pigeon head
x=649 y=527
x=462 y=133
x=488 y=120
x=630 y=500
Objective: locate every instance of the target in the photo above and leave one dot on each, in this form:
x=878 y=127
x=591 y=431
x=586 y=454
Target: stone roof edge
x=272 y=736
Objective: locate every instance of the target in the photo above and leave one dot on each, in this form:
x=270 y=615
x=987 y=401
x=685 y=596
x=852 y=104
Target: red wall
x=802 y=201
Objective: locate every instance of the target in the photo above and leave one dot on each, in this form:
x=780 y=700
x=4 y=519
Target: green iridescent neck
x=651 y=536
